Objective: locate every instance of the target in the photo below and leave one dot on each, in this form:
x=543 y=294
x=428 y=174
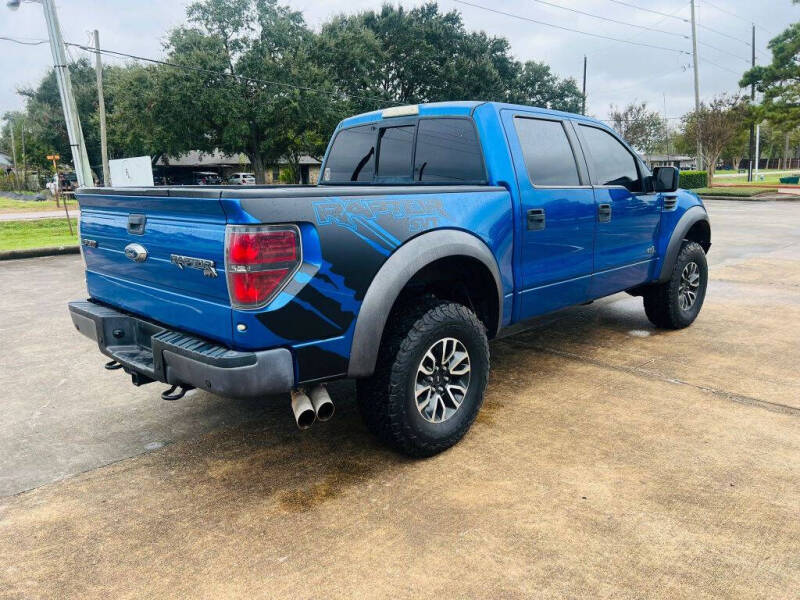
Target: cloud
x=618 y=72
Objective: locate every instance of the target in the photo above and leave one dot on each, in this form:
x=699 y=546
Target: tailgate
x=173 y=271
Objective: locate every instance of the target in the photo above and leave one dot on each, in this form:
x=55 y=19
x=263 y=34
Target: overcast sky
x=618 y=72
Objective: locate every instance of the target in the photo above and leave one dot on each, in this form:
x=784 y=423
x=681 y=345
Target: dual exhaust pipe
x=313 y=406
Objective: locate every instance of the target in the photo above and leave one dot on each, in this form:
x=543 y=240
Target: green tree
x=643 y=129
x=243 y=82
x=403 y=56
x=716 y=124
x=45 y=117
x=780 y=80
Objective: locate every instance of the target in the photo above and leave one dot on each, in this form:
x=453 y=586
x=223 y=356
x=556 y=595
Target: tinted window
x=394 y=159
x=352 y=157
x=447 y=150
x=611 y=162
x=547 y=152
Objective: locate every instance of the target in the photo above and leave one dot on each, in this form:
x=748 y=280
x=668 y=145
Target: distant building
x=182 y=169
x=6 y=164
x=669 y=160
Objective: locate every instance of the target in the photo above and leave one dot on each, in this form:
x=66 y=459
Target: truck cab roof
x=459 y=108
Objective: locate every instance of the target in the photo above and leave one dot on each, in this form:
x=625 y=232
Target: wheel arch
x=694 y=226
x=413 y=262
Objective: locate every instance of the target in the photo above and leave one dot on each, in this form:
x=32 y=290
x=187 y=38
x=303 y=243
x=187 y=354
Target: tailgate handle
x=136 y=224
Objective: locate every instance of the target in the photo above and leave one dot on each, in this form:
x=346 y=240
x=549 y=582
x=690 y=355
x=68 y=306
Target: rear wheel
x=676 y=303
x=430 y=378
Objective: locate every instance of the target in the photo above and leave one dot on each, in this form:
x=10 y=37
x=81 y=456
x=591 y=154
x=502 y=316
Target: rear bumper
x=152 y=352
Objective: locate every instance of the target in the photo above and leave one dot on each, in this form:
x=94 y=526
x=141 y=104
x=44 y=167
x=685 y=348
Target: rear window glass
x=394 y=159
x=448 y=150
x=547 y=152
x=352 y=157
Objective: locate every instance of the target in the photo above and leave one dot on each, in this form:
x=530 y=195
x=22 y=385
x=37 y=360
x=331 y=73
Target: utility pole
x=80 y=158
x=752 y=99
x=785 y=160
x=758 y=139
x=24 y=157
x=583 y=103
x=101 y=103
x=14 y=155
x=696 y=89
x=666 y=128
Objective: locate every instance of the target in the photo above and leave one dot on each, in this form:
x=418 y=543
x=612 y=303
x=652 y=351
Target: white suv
x=242 y=179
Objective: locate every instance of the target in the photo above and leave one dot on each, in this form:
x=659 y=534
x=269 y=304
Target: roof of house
x=195 y=158
x=5 y=160
x=665 y=157
x=198 y=159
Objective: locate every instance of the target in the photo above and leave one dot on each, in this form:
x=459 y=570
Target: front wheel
x=430 y=378
x=676 y=303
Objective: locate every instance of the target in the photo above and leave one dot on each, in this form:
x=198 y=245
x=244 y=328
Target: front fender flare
x=392 y=277
x=682 y=227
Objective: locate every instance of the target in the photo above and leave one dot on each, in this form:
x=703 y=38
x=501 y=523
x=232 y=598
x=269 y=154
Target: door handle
x=536 y=219
x=603 y=213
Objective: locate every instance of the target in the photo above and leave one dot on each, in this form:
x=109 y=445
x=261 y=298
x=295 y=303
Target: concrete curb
x=759 y=198
x=35 y=252
x=736 y=198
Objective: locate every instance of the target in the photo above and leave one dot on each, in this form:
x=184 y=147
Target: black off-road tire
x=387 y=401
x=662 y=301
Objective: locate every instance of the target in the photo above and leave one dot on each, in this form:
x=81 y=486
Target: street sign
x=53 y=157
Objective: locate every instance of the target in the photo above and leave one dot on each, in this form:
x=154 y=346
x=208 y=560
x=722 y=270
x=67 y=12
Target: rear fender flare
x=393 y=276
x=682 y=227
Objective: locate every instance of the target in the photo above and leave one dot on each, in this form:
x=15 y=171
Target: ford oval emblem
x=136 y=252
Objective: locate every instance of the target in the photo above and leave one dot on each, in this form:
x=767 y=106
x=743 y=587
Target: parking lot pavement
x=609 y=460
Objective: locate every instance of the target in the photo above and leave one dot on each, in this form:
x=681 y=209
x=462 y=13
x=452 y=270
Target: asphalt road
x=610 y=460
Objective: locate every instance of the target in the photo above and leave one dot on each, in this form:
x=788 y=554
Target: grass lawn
x=39 y=233
x=771 y=177
x=9 y=205
x=734 y=192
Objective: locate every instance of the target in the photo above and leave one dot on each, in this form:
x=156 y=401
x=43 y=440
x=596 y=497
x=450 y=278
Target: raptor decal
x=361 y=216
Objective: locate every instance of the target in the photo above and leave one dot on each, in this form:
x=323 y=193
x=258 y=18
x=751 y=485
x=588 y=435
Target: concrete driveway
x=610 y=460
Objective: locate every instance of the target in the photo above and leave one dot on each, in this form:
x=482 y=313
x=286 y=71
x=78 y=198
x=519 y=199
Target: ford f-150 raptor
x=433 y=227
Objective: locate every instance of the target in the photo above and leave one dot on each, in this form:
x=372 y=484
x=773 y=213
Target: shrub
x=691 y=180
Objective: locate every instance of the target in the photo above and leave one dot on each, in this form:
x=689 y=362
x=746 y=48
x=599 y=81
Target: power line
x=597 y=35
x=733 y=14
x=650 y=10
x=23 y=42
x=713 y=64
x=746 y=60
x=627 y=24
x=225 y=74
x=723 y=34
x=638 y=36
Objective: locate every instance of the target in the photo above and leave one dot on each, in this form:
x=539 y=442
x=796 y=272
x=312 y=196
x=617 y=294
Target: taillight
x=259 y=260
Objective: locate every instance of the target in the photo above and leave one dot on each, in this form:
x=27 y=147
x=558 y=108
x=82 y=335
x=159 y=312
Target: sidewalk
x=41 y=214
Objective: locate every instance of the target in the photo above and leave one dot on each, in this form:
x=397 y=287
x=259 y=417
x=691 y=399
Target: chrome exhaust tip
x=322 y=403
x=303 y=410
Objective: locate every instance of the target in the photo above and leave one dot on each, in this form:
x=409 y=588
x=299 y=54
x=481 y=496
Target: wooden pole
x=101 y=109
x=58 y=192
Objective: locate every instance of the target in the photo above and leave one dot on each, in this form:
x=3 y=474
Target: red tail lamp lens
x=258 y=248
x=254 y=287
x=259 y=260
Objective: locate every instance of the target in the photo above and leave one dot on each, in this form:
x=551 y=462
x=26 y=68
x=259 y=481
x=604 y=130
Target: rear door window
x=394 y=157
x=548 y=155
x=611 y=162
x=448 y=151
x=352 y=156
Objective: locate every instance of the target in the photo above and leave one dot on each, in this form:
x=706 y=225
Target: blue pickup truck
x=432 y=229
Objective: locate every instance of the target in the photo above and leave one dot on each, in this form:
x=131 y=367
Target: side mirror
x=665 y=179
